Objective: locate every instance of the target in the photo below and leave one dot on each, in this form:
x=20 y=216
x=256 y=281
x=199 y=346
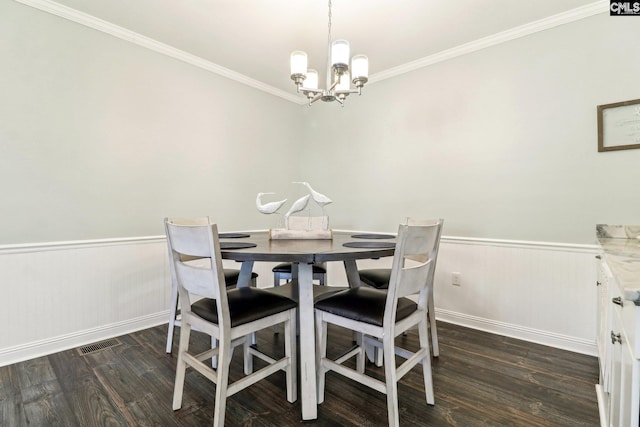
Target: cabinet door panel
x=604 y=325
x=628 y=386
x=615 y=377
x=618 y=343
x=631 y=326
x=606 y=288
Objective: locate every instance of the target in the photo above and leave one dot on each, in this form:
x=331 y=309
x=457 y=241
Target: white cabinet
x=604 y=322
x=617 y=339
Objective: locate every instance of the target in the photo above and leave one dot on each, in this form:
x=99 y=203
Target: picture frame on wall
x=619 y=126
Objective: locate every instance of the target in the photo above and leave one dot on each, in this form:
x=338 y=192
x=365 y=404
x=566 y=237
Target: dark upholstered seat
x=245 y=305
x=290 y=290
x=285 y=267
x=364 y=305
x=376 y=277
x=231 y=277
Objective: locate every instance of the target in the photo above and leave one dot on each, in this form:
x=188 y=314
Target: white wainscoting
x=539 y=292
x=65 y=294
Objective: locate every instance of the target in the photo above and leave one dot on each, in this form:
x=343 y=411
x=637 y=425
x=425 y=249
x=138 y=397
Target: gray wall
x=101 y=138
x=502 y=143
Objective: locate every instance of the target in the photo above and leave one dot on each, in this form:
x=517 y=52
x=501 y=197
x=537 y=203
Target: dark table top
x=306 y=251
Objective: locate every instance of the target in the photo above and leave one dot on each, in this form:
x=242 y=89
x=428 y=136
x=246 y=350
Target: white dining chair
x=378 y=316
x=379 y=278
x=229 y=316
x=283 y=272
x=230 y=279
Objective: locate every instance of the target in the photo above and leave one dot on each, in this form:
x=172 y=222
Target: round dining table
x=347 y=247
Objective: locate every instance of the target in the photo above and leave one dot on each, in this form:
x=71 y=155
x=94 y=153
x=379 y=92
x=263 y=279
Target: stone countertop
x=622 y=254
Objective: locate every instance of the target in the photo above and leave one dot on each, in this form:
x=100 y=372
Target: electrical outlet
x=456 y=278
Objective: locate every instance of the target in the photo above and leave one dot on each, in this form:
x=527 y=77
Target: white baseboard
x=522 y=333
x=41 y=348
x=45 y=347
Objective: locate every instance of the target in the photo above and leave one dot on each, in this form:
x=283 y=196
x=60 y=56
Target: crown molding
x=91 y=21
x=154 y=45
x=596 y=8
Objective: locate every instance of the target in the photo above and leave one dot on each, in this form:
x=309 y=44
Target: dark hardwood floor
x=480 y=379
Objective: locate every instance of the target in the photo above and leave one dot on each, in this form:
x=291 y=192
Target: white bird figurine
x=268 y=208
x=297 y=206
x=319 y=198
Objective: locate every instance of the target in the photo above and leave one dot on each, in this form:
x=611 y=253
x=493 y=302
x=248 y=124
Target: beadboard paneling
x=56 y=293
x=66 y=294
x=540 y=292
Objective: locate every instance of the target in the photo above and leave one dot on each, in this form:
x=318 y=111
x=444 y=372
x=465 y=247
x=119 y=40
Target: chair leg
x=248 y=358
x=276 y=283
x=432 y=328
x=222 y=383
x=214 y=359
x=378 y=357
x=426 y=362
x=321 y=353
x=361 y=355
x=322 y=279
x=290 y=352
x=254 y=284
x=181 y=367
x=391 y=380
x=173 y=313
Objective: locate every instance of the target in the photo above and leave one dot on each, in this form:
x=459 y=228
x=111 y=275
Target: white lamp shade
x=340 y=52
x=360 y=66
x=298 y=62
x=344 y=82
x=311 y=82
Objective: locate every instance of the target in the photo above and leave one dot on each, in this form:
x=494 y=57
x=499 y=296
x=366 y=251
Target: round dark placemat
x=378 y=245
x=373 y=236
x=237 y=245
x=233 y=235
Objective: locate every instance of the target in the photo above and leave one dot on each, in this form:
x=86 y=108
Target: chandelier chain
x=329 y=45
x=329 y=25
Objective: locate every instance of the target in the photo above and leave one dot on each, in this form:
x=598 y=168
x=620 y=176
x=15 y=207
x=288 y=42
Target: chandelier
x=339 y=75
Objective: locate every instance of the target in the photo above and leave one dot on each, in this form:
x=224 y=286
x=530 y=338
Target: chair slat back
x=189 y=239
x=195 y=256
x=411 y=280
x=412 y=264
x=434 y=252
x=196 y=280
